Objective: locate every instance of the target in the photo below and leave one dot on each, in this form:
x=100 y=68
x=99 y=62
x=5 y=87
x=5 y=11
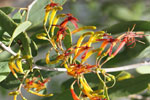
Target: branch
x=116 y=69
x=122 y=68
x=8 y=49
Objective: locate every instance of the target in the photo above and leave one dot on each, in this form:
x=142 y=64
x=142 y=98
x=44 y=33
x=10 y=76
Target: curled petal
x=75 y=97
x=83 y=28
x=81 y=49
x=13 y=65
x=46 y=17
x=47 y=60
x=13 y=72
x=56 y=19
x=15 y=97
x=100 y=32
x=124 y=75
x=79 y=42
x=85 y=85
x=14 y=93
x=120 y=47
x=53 y=13
x=19 y=64
x=38 y=94
x=103 y=45
x=74 y=23
x=89 y=54
x=70 y=18
x=51 y=6
x=42 y=36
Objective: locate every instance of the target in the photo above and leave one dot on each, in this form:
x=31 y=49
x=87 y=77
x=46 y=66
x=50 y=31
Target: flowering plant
x=22 y=44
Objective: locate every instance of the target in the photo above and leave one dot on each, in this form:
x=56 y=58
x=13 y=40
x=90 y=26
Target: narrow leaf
x=34 y=48
x=130 y=86
x=143 y=70
x=4 y=70
x=20 y=28
x=10 y=82
x=68 y=40
x=7 y=23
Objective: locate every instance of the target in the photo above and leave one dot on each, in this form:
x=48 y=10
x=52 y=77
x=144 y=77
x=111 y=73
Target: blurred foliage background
x=101 y=13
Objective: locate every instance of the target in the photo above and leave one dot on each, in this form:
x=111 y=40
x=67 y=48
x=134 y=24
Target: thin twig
x=8 y=49
x=121 y=68
x=116 y=69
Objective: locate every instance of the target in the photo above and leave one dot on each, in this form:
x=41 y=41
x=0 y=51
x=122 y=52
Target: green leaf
x=34 y=48
x=7 y=23
x=10 y=82
x=17 y=17
x=37 y=11
x=9 y=26
x=145 y=56
x=123 y=26
x=4 y=70
x=20 y=28
x=68 y=40
x=1 y=33
x=4 y=55
x=143 y=69
x=7 y=10
x=130 y=86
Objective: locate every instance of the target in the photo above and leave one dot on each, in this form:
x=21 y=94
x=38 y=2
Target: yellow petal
x=13 y=93
x=46 y=17
x=15 y=97
x=53 y=13
x=42 y=36
x=19 y=64
x=13 y=65
x=54 y=61
x=79 y=42
x=85 y=85
x=89 y=54
x=47 y=58
x=83 y=28
x=100 y=32
x=13 y=72
x=124 y=75
x=38 y=94
x=56 y=19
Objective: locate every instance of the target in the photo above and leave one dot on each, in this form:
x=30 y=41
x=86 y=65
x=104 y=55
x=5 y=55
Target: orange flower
x=78 y=69
x=70 y=18
x=61 y=33
x=35 y=84
x=54 y=7
x=87 y=90
x=75 y=97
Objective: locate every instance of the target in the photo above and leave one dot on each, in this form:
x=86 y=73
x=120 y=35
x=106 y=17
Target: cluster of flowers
x=84 y=50
x=70 y=57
